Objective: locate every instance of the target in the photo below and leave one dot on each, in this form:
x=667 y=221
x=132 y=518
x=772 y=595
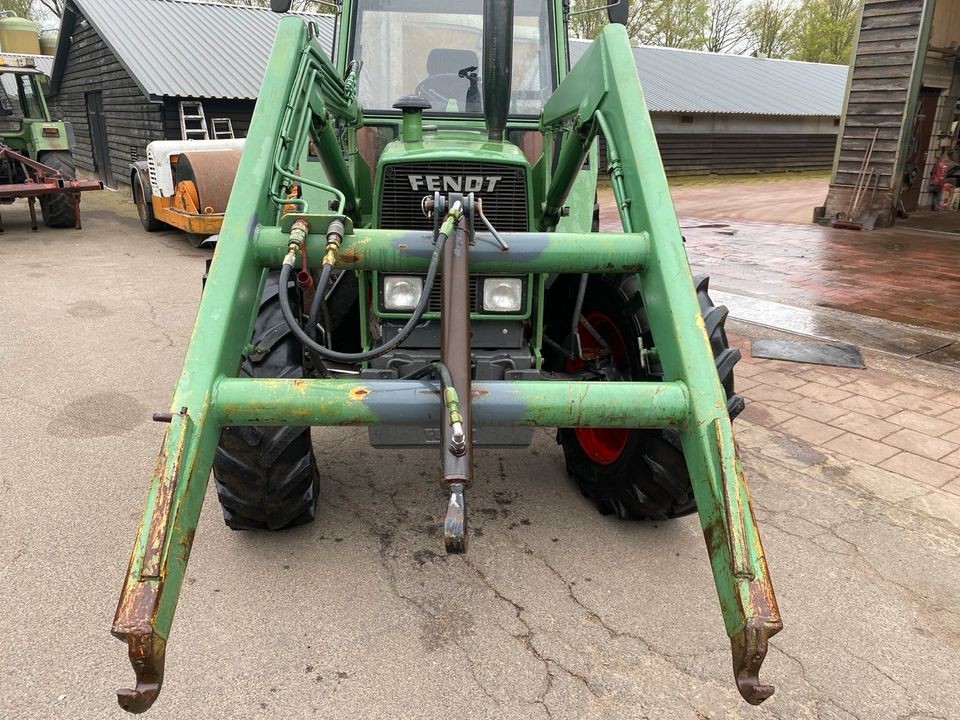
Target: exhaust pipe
x=497 y=64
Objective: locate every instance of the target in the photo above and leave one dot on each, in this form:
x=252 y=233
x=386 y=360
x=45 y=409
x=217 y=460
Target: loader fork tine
x=147 y=653
x=749 y=648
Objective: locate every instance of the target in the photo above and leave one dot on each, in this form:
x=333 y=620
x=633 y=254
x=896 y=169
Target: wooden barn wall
x=239 y=112
x=732 y=153
x=879 y=87
x=131 y=119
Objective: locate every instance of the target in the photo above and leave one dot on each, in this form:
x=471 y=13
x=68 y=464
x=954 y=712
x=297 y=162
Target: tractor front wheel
x=266 y=477
x=636 y=474
x=59 y=209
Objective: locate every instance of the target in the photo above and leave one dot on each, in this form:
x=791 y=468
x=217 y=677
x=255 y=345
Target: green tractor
x=35 y=157
x=413 y=245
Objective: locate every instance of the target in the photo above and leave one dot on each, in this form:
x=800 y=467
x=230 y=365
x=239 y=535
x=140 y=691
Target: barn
x=121 y=88
x=720 y=113
x=123 y=67
x=900 y=112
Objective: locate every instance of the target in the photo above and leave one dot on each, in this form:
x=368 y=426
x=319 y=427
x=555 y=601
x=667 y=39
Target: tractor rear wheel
x=59 y=210
x=637 y=474
x=266 y=477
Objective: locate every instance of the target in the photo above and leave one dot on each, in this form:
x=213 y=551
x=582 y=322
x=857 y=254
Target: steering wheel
x=429 y=88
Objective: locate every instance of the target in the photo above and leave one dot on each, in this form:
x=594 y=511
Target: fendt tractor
x=412 y=244
x=35 y=157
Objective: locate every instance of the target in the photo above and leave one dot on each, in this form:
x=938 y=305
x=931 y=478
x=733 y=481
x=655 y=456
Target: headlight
x=401 y=292
x=502 y=295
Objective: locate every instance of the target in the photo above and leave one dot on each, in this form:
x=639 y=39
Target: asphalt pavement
x=555 y=612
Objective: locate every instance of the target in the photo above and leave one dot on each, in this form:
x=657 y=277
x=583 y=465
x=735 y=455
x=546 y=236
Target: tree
x=591 y=18
x=20 y=8
x=725 y=29
x=676 y=23
x=824 y=30
x=768 y=27
x=54 y=7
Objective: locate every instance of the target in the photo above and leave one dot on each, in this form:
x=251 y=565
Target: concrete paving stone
x=824 y=378
x=768 y=393
x=865 y=425
x=816 y=410
x=952 y=459
x=923 y=423
x=953 y=437
x=870 y=390
x=744 y=383
x=861 y=448
x=917 y=442
x=748 y=367
x=868 y=406
x=916 y=388
x=765 y=415
x=952 y=415
x=779 y=379
x=921 y=469
x=952 y=487
x=812 y=431
x=822 y=393
x=919 y=404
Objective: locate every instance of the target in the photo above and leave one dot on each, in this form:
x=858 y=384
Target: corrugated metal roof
x=190 y=49
x=178 y=48
x=691 y=81
x=44 y=63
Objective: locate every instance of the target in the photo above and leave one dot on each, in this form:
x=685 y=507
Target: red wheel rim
x=602 y=445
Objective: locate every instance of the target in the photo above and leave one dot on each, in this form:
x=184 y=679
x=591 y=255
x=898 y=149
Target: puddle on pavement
x=883 y=336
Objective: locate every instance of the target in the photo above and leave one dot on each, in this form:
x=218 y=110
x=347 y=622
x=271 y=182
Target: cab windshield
x=18 y=97
x=434 y=49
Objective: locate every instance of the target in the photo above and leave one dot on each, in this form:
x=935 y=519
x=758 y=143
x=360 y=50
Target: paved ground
x=555 y=613
x=906 y=275
x=785 y=199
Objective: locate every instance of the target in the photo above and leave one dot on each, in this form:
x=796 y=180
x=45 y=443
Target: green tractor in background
x=35 y=157
x=412 y=244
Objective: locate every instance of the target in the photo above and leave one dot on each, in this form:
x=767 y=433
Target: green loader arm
x=603 y=93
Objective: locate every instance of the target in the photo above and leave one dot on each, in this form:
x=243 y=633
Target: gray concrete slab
x=556 y=612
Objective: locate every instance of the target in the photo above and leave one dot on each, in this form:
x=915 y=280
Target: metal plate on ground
x=835 y=354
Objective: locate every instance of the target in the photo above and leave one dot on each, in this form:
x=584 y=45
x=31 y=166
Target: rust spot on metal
x=358 y=393
x=350 y=256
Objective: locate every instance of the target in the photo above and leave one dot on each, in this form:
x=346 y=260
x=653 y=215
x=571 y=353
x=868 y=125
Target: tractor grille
x=505 y=206
x=436 y=297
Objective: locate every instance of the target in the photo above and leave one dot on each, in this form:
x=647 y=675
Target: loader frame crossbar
x=601 y=92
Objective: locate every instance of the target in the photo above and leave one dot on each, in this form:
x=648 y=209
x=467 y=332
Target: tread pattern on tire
x=266 y=477
x=649 y=481
x=59 y=210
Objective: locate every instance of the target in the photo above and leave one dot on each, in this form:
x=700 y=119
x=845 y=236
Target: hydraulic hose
x=314 y=347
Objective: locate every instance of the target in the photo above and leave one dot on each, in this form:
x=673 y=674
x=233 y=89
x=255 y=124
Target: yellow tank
x=48 y=43
x=19 y=35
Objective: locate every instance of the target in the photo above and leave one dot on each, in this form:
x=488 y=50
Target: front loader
x=412 y=245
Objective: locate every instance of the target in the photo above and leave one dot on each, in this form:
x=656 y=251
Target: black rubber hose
x=318 y=302
x=314 y=347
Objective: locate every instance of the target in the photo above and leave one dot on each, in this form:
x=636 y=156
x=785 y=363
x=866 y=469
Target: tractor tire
x=267 y=477
x=59 y=210
x=638 y=474
x=144 y=206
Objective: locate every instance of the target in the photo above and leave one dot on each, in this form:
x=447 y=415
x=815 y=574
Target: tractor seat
x=443 y=64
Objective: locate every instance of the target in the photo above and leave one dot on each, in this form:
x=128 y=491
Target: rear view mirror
x=280 y=6
x=618 y=11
